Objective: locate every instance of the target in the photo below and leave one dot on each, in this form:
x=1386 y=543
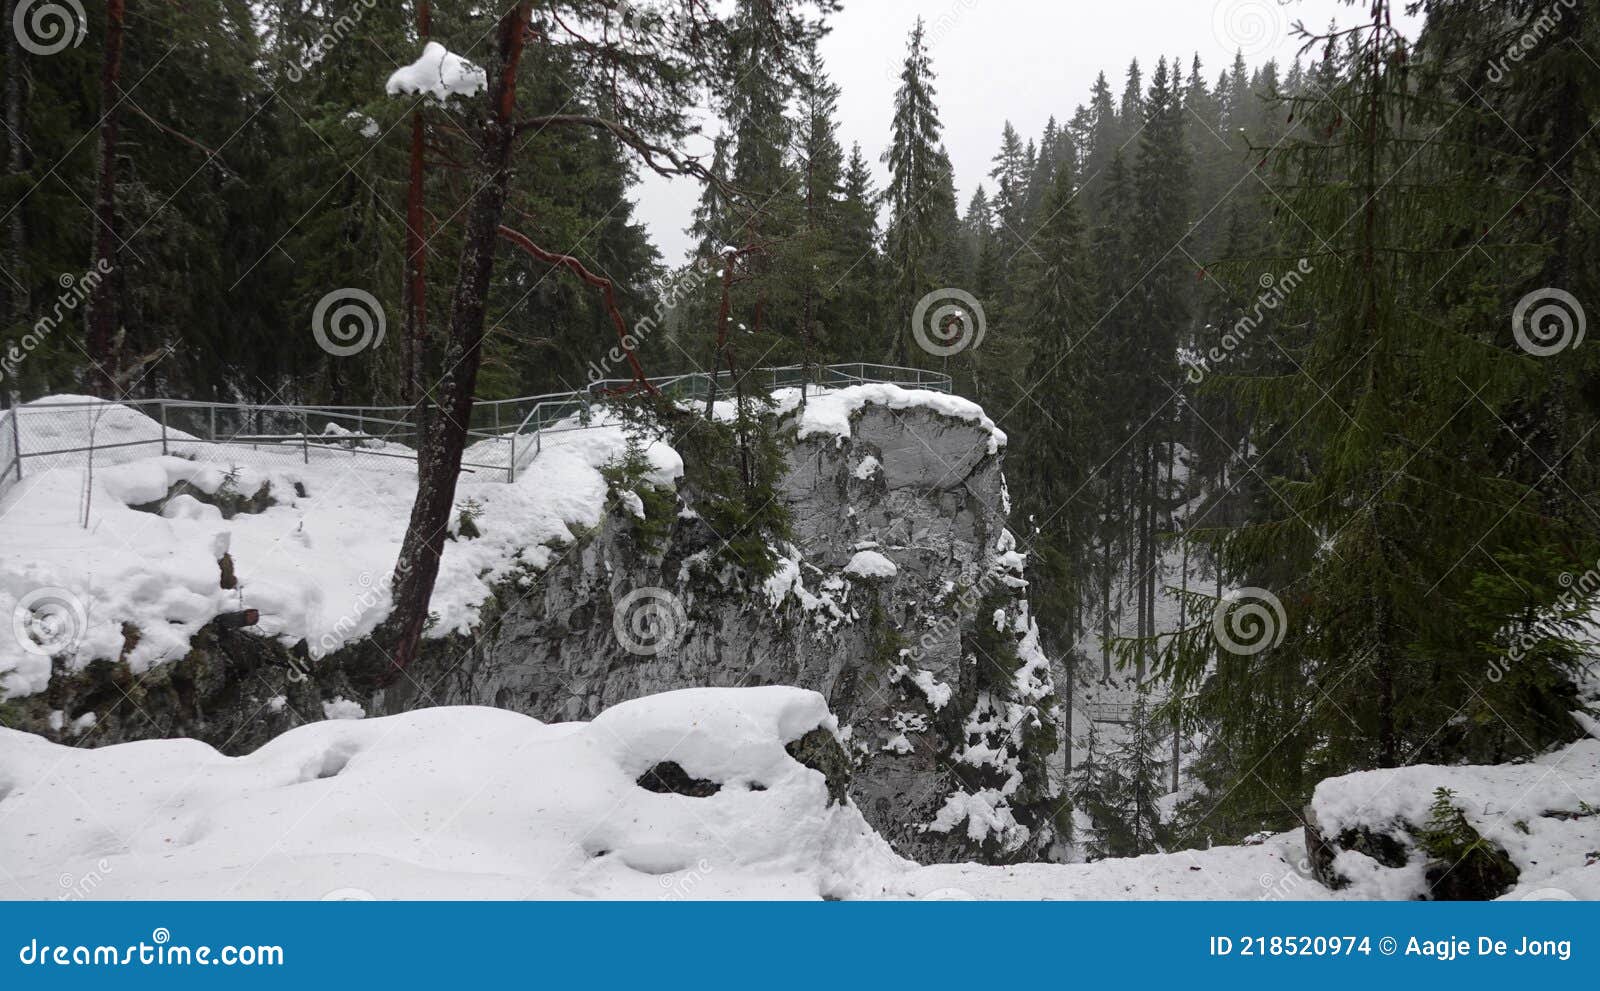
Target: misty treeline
x=1266 y=324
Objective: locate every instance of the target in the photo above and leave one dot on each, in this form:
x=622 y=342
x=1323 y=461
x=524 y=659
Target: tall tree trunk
x=418 y=566
x=17 y=302
x=414 y=289
x=101 y=375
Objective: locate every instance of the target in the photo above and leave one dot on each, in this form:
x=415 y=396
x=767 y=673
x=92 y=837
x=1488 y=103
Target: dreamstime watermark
x=1578 y=592
x=159 y=952
x=935 y=30
x=1548 y=321
x=1275 y=291
x=948 y=321
x=75 y=289
x=650 y=621
x=1248 y=621
x=1251 y=27
x=49 y=621
x=337 y=32
x=1549 y=895
x=348 y=321
x=670 y=293
x=375 y=592
x=78 y=887
x=949 y=622
x=1285 y=887
x=1530 y=39
x=44 y=27
x=678 y=885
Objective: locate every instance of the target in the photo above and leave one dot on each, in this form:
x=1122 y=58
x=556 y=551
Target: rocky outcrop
x=898 y=597
x=888 y=649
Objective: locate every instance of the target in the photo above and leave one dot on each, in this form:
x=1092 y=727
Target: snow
x=1545 y=814
x=869 y=467
x=937 y=692
x=474 y=803
x=316 y=567
x=439 y=73
x=828 y=412
x=870 y=565
x=340 y=707
x=451 y=803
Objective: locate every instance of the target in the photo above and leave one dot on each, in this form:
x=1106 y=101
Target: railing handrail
x=821 y=376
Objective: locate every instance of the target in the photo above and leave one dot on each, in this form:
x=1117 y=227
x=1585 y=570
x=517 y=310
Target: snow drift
x=449 y=803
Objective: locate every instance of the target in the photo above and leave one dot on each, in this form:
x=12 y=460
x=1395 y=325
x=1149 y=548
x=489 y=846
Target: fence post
x=163 y=428
x=305 y=437
x=511 y=466
x=16 y=431
x=213 y=419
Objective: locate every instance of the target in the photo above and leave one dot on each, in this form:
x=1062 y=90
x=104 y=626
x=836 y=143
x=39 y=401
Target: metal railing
x=503 y=436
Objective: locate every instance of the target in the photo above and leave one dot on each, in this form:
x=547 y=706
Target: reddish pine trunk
x=101 y=376
x=414 y=290
x=418 y=567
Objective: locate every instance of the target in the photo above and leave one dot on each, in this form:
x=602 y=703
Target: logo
x=347 y=322
x=1248 y=621
x=948 y=321
x=650 y=621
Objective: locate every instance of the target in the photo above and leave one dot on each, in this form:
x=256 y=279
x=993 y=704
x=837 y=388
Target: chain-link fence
x=503 y=436
x=10 y=457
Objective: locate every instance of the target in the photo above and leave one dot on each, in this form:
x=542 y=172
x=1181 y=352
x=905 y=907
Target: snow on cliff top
x=316 y=566
x=449 y=803
x=440 y=73
x=828 y=411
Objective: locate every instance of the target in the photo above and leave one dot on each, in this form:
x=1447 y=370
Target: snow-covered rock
x=452 y=803
x=1544 y=815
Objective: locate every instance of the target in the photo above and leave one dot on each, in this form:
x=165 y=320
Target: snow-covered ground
x=315 y=565
x=481 y=803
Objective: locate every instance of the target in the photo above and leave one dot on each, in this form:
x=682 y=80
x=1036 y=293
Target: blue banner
x=749 y=946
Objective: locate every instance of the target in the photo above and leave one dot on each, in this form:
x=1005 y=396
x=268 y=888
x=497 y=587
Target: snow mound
x=439 y=73
x=451 y=803
x=870 y=565
x=1545 y=814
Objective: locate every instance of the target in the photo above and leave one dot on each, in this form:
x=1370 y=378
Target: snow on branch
x=440 y=73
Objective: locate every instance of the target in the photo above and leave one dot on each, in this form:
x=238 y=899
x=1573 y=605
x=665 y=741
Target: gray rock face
x=919 y=488
x=896 y=655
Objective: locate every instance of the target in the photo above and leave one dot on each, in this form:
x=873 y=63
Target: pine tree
x=1416 y=562
x=919 y=186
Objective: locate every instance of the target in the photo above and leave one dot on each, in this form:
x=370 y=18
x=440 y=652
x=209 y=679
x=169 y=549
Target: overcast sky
x=1021 y=60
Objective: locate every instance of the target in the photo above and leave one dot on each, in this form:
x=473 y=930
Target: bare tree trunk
x=724 y=310
x=101 y=375
x=17 y=157
x=418 y=566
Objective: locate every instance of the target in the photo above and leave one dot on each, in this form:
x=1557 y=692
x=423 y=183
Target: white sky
x=1021 y=60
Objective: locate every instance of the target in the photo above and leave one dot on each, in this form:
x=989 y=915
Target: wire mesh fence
x=10 y=460
x=503 y=436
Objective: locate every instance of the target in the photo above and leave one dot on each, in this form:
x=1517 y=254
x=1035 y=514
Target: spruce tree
x=919 y=186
